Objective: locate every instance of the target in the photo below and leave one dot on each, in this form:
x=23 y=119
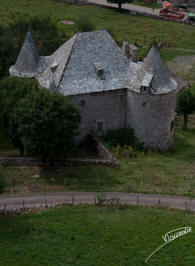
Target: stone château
x=111 y=88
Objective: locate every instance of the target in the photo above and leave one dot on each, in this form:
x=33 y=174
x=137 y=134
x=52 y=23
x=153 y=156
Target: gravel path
x=181 y=64
x=39 y=200
x=128 y=6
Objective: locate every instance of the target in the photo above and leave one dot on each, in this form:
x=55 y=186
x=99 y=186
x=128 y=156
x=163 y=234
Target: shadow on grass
x=88 y=178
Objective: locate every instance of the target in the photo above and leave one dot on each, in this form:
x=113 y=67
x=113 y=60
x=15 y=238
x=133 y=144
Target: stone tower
x=152 y=102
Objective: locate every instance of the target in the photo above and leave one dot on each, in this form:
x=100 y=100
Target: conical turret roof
x=28 y=59
x=154 y=72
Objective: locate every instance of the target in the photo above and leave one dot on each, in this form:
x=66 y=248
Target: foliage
x=186 y=104
x=83 y=24
x=44 y=31
x=11 y=91
x=121 y=137
x=46 y=123
x=120 y=2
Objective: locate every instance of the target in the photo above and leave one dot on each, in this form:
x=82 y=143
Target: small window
x=82 y=102
x=143 y=89
x=99 y=126
x=144 y=104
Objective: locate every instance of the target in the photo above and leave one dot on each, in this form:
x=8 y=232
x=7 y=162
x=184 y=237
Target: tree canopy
x=47 y=123
x=186 y=104
x=11 y=91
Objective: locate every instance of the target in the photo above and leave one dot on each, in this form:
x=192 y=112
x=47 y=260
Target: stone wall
x=152 y=118
x=105 y=158
x=102 y=110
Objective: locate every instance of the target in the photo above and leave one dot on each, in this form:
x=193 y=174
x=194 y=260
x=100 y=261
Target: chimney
x=133 y=50
x=125 y=49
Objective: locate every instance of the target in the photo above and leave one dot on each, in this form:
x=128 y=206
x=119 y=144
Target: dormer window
x=99 y=70
x=146 y=82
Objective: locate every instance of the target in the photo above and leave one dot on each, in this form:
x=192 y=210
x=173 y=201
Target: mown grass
x=143 y=3
x=168 y=173
x=96 y=236
x=123 y=26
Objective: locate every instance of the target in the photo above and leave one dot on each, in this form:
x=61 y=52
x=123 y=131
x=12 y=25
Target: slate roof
x=28 y=59
x=92 y=62
x=154 y=72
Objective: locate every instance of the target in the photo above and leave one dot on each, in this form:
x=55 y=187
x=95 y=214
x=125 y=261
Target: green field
x=123 y=26
x=96 y=236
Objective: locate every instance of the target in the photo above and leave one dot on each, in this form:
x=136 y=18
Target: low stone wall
x=71 y=162
x=98 y=147
x=106 y=158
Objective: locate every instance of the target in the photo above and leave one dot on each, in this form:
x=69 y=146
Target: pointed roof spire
x=153 y=64
x=153 y=74
x=28 y=59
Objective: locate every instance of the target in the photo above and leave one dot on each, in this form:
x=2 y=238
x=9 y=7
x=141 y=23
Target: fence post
x=5 y=208
x=72 y=199
x=159 y=203
x=186 y=205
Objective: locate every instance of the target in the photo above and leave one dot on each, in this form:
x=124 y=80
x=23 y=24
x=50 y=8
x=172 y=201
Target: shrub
x=121 y=137
x=83 y=24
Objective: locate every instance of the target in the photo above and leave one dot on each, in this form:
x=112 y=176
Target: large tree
x=47 y=123
x=186 y=105
x=120 y=2
x=11 y=91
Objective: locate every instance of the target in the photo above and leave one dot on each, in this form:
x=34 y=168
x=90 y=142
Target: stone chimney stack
x=131 y=51
x=125 y=49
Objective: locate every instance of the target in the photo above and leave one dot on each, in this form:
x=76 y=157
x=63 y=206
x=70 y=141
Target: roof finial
x=154 y=41
x=29 y=26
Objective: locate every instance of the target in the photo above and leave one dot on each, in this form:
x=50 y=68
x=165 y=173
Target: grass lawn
x=123 y=26
x=96 y=236
x=143 y=3
x=170 y=172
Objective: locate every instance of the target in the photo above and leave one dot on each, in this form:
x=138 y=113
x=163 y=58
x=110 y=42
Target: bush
x=83 y=24
x=121 y=137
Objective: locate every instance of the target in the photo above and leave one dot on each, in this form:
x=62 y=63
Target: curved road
x=31 y=201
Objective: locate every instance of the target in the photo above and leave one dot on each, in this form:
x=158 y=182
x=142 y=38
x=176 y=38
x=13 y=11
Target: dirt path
x=183 y=66
x=131 y=7
x=52 y=199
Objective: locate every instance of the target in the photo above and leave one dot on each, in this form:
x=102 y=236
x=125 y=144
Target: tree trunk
x=21 y=148
x=185 y=125
x=48 y=162
x=119 y=5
